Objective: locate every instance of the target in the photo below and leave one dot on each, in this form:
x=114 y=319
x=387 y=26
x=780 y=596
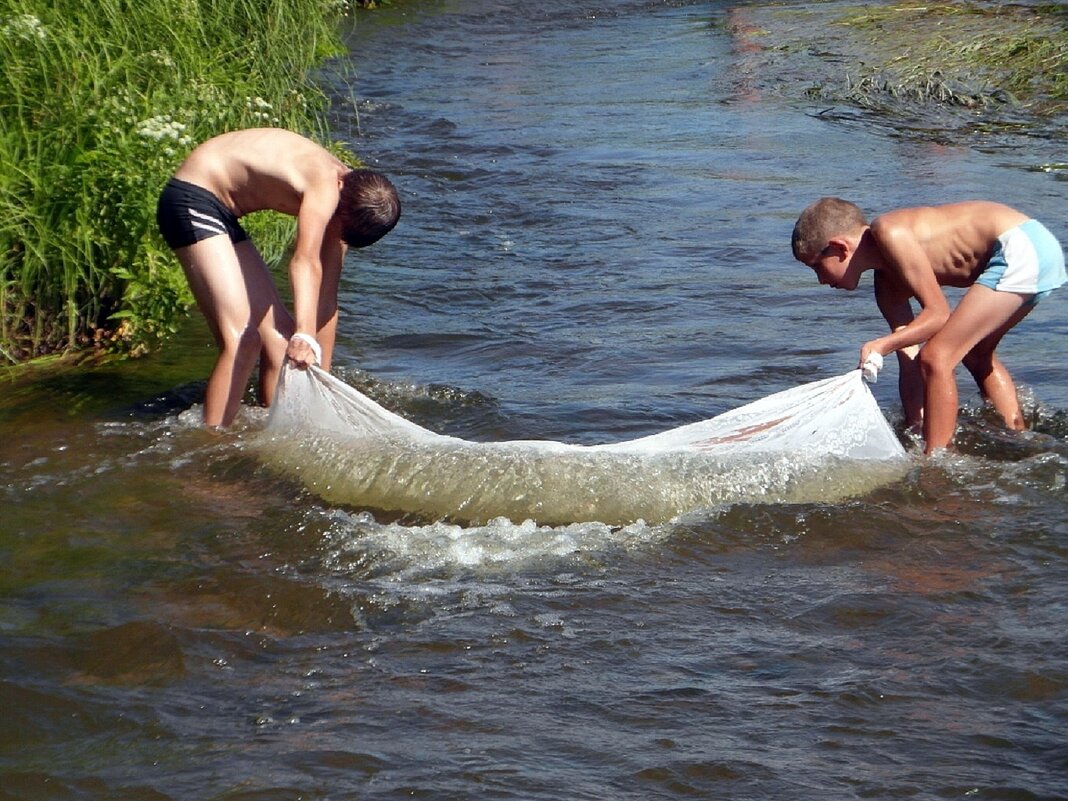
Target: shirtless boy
x=1008 y=262
x=199 y=210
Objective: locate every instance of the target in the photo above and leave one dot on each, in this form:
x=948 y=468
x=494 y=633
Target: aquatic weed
x=946 y=53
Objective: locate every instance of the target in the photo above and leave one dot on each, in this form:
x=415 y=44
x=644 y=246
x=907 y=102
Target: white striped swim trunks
x=1027 y=260
x=187 y=213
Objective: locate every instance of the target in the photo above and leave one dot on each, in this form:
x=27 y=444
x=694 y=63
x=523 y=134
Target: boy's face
x=832 y=265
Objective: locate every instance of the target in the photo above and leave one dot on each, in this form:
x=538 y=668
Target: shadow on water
x=164 y=382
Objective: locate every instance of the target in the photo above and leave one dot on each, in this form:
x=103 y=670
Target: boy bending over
x=199 y=210
x=1007 y=261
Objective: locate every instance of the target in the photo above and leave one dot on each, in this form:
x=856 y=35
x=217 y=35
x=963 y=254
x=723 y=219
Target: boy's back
x=262 y=168
x=957 y=239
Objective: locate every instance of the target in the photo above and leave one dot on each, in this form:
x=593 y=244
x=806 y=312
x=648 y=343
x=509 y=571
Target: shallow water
x=594 y=248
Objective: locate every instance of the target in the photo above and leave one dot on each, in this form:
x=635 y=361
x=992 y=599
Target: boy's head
x=825 y=219
x=367 y=208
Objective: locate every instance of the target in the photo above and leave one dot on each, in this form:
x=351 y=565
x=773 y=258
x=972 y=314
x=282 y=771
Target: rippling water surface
x=598 y=201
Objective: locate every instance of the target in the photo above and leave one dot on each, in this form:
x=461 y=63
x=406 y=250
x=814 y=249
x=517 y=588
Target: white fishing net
x=821 y=441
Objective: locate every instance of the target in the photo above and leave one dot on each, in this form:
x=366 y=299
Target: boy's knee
x=978 y=363
x=934 y=361
x=243 y=345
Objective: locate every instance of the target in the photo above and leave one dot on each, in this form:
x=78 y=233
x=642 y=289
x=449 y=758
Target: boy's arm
x=907 y=266
x=897 y=310
x=305 y=266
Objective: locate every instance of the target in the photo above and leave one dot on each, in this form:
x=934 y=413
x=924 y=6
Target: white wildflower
x=160 y=127
x=25 y=26
x=161 y=57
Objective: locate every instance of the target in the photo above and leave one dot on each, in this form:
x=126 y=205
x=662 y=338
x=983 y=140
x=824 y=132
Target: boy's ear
x=841 y=246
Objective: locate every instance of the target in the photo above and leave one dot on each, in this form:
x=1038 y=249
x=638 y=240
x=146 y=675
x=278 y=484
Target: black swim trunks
x=187 y=213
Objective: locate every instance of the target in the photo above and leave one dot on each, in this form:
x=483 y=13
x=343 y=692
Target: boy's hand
x=871 y=360
x=868 y=348
x=871 y=366
x=303 y=350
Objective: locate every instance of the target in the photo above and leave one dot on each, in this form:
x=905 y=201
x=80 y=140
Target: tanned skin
x=914 y=252
x=254 y=170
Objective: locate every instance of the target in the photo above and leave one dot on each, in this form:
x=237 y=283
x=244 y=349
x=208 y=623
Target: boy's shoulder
x=908 y=223
x=972 y=214
x=904 y=216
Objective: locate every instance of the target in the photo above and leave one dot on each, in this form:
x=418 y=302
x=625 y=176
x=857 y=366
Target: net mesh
x=820 y=441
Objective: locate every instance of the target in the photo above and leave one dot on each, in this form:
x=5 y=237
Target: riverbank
x=100 y=103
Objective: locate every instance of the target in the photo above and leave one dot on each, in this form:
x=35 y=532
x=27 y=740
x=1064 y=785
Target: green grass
x=946 y=51
x=99 y=103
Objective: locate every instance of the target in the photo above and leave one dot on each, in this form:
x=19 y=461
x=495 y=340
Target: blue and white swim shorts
x=187 y=213
x=1027 y=260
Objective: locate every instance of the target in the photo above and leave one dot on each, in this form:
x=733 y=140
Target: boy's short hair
x=826 y=218
x=368 y=207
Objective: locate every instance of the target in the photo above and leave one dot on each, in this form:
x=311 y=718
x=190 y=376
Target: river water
x=598 y=202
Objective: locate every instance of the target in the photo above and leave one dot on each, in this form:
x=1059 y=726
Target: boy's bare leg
x=332 y=256
x=983 y=315
x=218 y=283
x=273 y=321
x=993 y=378
x=326 y=336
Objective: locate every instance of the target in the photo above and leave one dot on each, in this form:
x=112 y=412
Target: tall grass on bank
x=99 y=103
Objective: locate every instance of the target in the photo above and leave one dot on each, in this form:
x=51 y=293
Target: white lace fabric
x=823 y=441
